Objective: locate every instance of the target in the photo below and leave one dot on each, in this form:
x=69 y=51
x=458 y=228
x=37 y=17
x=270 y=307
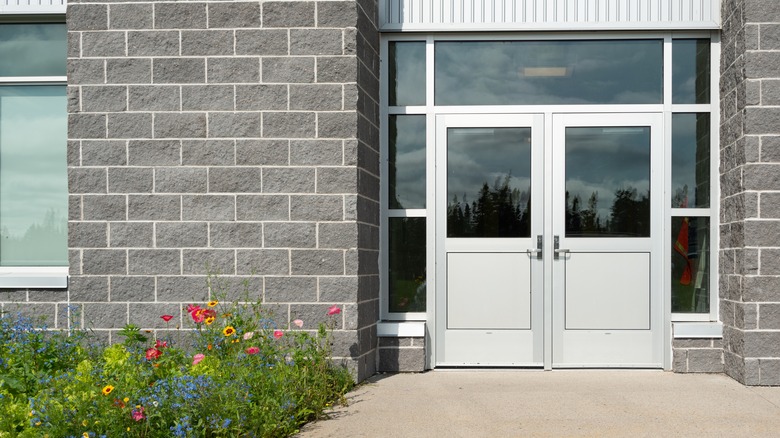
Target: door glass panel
x=691 y=71
x=406 y=258
x=690 y=160
x=608 y=182
x=548 y=72
x=690 y=264
x=488 y=182
x=32 y=49
x=406 y=73
x=406 y=162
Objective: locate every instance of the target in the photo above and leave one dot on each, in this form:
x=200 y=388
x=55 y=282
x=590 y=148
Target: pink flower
x=153 y=353
x=160 y=344
x=252 y=350
x=298 y=323
x=334 y=310
x=197 y=358
x=278 y=334
x=248 y=335
x=192 y=308
x=138 y=413
x=167 y=318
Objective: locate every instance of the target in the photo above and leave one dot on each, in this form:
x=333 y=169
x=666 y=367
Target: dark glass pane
x=690 y=264
x=406 y=73
x=691 y=71
x=406 y=257
x=33 y=176
x=32 y=49
x=406 y=162
x=488 y=182
x=690 y=160
x=608 y=182
x=549 y=72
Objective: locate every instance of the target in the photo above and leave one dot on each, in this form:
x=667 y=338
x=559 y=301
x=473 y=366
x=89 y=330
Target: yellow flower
x=38 y=423
x=212 y=303
x=229 y=331
x=85 y=423
x=85 y=435
x=210 y=320
x=107 y=389
x=126 y=399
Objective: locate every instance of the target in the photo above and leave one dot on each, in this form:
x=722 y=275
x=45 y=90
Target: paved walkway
x=556 y=403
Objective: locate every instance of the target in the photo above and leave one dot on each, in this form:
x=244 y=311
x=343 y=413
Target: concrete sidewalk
x=557 y=403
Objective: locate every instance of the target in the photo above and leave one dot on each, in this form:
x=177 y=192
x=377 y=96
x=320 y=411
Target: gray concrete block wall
x=237 y=138
x=697 y=355
x=401 y=355
x=750 y=165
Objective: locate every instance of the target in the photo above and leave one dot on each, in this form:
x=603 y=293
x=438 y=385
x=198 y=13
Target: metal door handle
x=557 y=251
x=538 y=250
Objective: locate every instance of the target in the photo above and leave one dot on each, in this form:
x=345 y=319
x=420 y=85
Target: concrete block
x=207 y=97
x=91 y=288
x=241 y=125
x=262 y=208
x=104 y=207
x=290 y=290
x=103 y=153
x=289 y=125
x=762 y=233
x=189 y=289
x=105 y=315
x=234 y=14
x=290 y=235
x=762 y=344
x=316 y=152
x=769 y=316
x=336 y=14
x=316 y=42
x=181 y=235
x=87 y=180
x=337 y=125
x=87 y=17
x=153 y=43
x=154 y=261
x=131 y=234
x=131 y=16
x=288 y=70
x=129 y=71
x=236 y=235
x=130 y=180
x=154 y=98
x=317 y=262
x=235 y=180
x=104 y=98
x=314 y=314
x=154 y=152
x=208 y=152
x=261 y=42
x=338 y=69
x=761 y=120
x=129 y=125
x=770 y=261
x=261 y=97
x=209 y=261
x=233 y=70
x=288 y=180
x=104 y=261
x=288 y=14
x=705 y=361
x=338 y=289
x=180 y=15
x=134 y=289
x=679 y=360
x=103 y=44
x=263 y=262
x=180 y=125
x=154 y=207
x=147 y=315
x=401 y=360
x=86 y=71
x=394 y=342
x=179 y=70
x=337 y=235
x=262 y=152
x=769 y=372
x=316 y=97
x=337 y=180
x=761 y=176
x=769 y=205
x=316 y=208
x=207 y=43
x=86 y=126
x=208 y=207
x=74 y=208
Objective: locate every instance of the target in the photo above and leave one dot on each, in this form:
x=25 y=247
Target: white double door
x=548 y=241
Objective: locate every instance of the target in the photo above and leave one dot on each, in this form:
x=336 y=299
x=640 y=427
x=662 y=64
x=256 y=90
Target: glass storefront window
x=406 y=257
x=691 y=71
x=548 y=72
x=406 y=73
x=690 y=160
x=32 y=49
x=690 y=273
x=406 y=162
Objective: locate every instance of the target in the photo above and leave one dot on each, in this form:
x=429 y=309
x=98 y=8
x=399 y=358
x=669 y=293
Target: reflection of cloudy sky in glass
x=598 y=72
x=407 y=73
x=686 y=54
x=476 y=156
x=684 y=145
x=407 y=162
x=33 y=169
x=34 y=49
x=604 y=160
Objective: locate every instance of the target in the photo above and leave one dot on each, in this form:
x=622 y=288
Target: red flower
x=252 y=350
x=167 y=318
x=334 y=310
x=278 y=334
x=160 y=344
x=153 y=353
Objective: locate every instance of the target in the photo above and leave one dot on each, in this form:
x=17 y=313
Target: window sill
x=397 y=329
x=34 y=277
x=697 y=330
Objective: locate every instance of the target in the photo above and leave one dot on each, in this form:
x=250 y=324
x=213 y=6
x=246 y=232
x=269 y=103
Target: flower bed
x=235 y=374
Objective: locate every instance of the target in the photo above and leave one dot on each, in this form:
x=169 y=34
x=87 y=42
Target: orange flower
x=229 y=331
x=209 y=347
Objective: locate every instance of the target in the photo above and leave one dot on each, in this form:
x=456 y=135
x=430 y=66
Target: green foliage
x=238 y=374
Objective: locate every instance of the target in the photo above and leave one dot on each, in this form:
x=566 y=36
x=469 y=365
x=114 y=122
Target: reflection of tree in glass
x=500 y=211
x=42 y=243
x=630 y=215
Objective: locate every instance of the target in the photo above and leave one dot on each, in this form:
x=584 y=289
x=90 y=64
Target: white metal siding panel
x=554 y=15
x=25 y=7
